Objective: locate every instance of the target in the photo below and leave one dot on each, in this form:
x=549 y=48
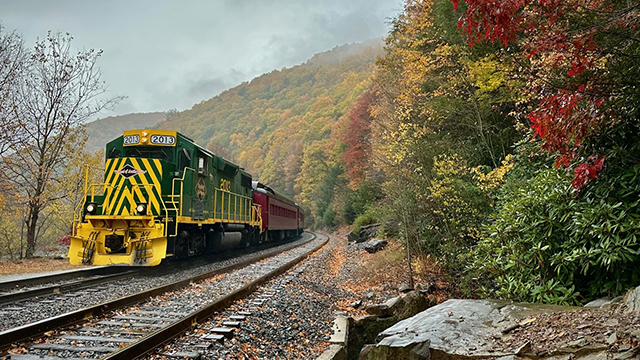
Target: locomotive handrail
x=257 y=211
x=178 y=209
x=77 y=212
x=247 y=200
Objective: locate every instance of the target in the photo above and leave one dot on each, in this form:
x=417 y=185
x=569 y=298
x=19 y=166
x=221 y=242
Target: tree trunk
x=32 y=222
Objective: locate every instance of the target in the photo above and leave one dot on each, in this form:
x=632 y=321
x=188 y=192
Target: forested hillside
x=104 y=130
x=285 y=126
x=501 y=139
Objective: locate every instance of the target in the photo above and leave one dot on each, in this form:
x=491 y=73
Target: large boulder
x=375 y=245
x=352 y=237
x=401 y=307
x=367 y=232
x=365 y=330
x=416 y=347
x=632 y=300
x=456 y=329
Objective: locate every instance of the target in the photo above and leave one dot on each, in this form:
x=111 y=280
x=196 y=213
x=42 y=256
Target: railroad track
x=18 y=284
x=132 y=326
x=61 y=288
x=26 y=300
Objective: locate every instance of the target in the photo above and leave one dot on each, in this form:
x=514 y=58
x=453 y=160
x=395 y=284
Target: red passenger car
x=281 y=216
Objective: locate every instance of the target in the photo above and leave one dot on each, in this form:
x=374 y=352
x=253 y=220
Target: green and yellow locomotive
x=163 y=196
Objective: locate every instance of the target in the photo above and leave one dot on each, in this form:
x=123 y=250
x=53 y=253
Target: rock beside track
x=492 y=329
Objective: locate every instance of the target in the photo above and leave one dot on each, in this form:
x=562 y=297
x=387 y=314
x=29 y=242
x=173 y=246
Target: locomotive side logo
x=201 y=189
x=128 y=171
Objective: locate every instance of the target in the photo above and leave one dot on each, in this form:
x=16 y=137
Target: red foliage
x=65 y=240
x=491 y=20
x=571 y=111
x=358 y=139
x=587 y=171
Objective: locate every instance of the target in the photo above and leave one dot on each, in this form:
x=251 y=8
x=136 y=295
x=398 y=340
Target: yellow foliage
x=495 y=177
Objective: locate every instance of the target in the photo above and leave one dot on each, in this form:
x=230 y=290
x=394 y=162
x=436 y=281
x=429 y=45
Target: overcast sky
x=165 y=54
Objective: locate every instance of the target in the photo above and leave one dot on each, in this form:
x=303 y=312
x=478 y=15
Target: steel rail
x=163 y=335
x=61 y=288
x=62 y=276
x=27 y=331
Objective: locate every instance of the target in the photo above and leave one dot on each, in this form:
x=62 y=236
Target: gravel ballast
x=289 y=317
x=25 y=312
x=157 y=311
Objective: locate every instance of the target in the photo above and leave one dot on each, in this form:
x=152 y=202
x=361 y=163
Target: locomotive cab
x=125 y=220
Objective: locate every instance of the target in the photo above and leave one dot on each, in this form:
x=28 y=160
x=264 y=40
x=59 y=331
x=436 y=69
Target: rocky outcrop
x=458 y=329
x=401 y=307
x=382 y=316
x=365 y=233
x=375 y=245
x=632 y=300
x=492 y=329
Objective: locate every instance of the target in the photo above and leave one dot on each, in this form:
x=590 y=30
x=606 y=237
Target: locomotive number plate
x=131 y=139
x=162 y=139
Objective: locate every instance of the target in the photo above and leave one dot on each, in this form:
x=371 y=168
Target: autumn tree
x=13 y=57
x=358 y=140
x=549 y=240
x=582 y=58
x=56 y=94
x=443 y=110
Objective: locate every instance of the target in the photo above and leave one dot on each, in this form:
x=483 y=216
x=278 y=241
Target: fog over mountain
x=165 y=54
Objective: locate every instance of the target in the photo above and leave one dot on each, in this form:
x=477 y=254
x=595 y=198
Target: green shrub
x=547 y=243
x=363 y=220
x=329 y=218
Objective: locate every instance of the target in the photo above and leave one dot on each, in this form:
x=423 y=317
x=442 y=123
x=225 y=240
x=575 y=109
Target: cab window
x=155 y=152
x=114 y=153
x=184 y=159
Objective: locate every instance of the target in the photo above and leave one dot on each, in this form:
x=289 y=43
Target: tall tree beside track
x=566 y=236
x=55 y=93
x=13 y=57
x=442 y=122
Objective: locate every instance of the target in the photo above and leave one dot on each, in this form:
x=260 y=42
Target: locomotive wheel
x=182 y=244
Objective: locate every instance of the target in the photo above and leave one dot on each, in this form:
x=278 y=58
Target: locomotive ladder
x=89 y=247
x=141 y=248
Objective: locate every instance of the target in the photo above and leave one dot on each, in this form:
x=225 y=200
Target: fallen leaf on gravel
x=526 y=322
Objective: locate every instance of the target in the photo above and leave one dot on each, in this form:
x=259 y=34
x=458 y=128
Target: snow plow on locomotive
x=164 y=196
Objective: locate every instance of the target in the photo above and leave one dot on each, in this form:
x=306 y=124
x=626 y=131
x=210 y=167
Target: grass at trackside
x=34 y=265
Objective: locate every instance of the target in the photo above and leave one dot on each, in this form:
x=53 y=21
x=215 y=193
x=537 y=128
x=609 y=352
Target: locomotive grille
x=130 y=181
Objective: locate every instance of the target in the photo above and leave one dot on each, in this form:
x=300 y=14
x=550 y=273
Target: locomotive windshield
x=154 y=152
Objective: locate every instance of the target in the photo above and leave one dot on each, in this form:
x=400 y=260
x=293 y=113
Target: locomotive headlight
x=91 y=208
x=141 y=209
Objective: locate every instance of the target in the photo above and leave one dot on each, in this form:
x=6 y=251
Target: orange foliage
x=358 y=140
